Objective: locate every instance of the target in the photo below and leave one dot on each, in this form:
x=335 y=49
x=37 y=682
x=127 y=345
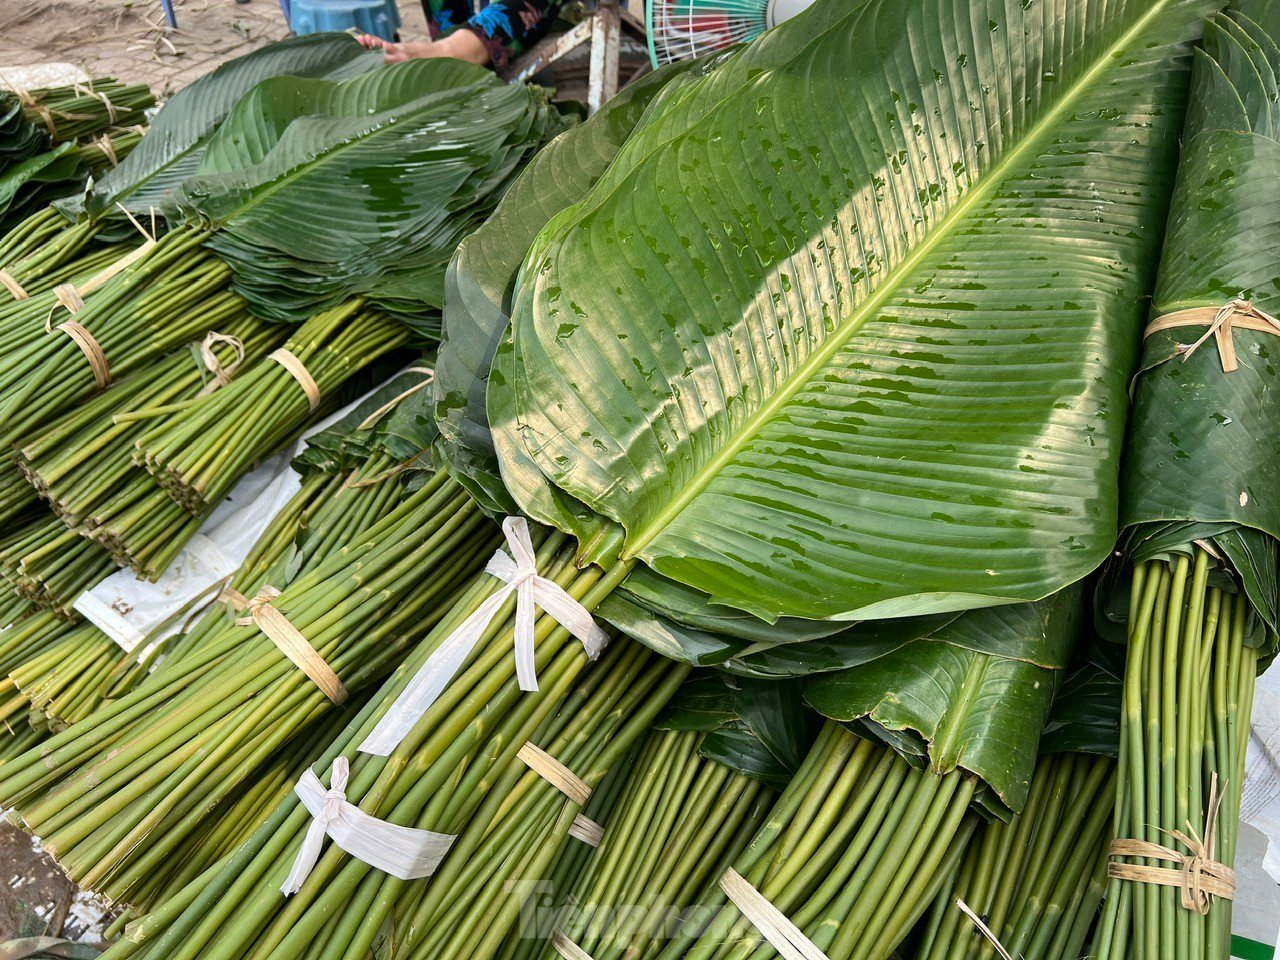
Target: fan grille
x=682 y=29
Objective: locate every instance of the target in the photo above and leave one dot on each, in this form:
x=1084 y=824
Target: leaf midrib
x=643 y=536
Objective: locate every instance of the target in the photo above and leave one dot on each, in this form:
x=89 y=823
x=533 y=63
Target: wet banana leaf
x=819 y=376
x=171 y=150
x=411 y=175
x=1085 y=717
x=482 y=276
x=1203 y=456
x=33 y=183
x=975 y=694
x=758 y=728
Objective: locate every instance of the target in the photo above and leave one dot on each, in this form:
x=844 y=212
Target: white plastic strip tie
x=519 y=573
x=402 y=852
x=783 y=935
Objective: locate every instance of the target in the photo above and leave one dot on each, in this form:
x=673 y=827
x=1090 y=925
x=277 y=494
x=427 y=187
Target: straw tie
x=100 y=95
x=108 y=149
x=15 y=289
x=91 y=349
x=567 y=782
x=429 y=377
x=1222 y=322
x=519 y=573
x=403 y=852
x=783 y=935
x=1197 y=875
x=292 y=643
x=299 y=372
x=221 y=374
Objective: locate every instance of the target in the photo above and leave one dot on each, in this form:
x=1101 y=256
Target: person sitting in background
x=490 y=35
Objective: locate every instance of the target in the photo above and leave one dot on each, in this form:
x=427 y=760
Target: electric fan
x=683 y=29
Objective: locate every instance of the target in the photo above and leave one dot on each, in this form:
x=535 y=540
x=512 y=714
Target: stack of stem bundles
x=700 y=786
x=156 y=760
x=1196 y=592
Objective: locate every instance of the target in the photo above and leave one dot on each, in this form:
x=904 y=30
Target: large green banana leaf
x=173 y=146
x=975 y=694
x=1203 y=455
x=343 y=201
x=482 y=275
x=845 y=331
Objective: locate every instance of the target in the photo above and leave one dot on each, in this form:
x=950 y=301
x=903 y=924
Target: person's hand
x=370 y=42
x=459 y=45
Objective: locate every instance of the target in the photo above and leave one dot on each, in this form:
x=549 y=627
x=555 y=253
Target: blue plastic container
x=378 y=17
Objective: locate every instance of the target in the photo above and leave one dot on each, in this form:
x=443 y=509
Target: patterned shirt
x=507 y=27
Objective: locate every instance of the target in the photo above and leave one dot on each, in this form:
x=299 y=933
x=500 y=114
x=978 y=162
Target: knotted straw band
x=69 y=297
x=13 y=286
x=567 y=782
x=1199 y=876
x=91 y=349
x=100 y=95
x=108 y=149
x=783 y=935
x=221 y=375
x=567 y=948
x=1221 y=322
x=292 y=643
x=299 y=373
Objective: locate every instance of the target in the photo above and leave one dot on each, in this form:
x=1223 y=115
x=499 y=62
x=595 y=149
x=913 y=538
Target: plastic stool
x=378 y=17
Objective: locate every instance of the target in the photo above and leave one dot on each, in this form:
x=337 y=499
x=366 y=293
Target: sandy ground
x=130 y=40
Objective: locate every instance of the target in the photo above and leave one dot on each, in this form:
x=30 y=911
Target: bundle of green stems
x=239 y=817
x=528 y=940
x=1188 y=696
x=268 y=561
x=436 y=779
x=154 y=305
x=41 y=244
x=17 y=739
x=1037 y=881
x=21 y=319
x=67 y=680
x=853 y=853
x=199 y=454
x=54 y=669
x=80 y=461
x=680 y=822
x=105 y=151
x=141 y=774
x=474 y=901
x=52 y=565
x=83 y=109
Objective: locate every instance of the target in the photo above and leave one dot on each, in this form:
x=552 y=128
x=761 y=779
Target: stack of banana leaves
x=798 y=444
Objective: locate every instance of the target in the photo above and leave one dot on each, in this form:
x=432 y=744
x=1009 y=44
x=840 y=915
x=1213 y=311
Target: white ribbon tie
x=403 y=852
x=519 y=573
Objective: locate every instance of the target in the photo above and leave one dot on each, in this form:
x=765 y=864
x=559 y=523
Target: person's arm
x=508 y=27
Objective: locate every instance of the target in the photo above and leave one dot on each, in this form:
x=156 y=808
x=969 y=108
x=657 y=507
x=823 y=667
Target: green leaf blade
x=880 y=345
